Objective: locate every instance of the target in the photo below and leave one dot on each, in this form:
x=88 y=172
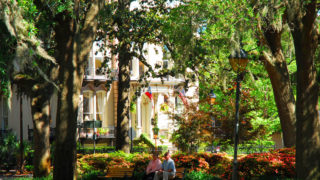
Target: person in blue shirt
x=167 y=170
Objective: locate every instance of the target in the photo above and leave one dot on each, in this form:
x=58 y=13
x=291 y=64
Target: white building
x=100 y=103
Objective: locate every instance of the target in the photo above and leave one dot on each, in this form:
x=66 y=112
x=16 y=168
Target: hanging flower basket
x=155 y=130
x=164 y=107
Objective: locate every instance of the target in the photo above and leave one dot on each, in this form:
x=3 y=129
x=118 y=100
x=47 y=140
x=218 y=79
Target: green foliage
x=163 y=148
x=144 y=140
x=155 y=130
x=195 y=127
x=98 y=149
x=100 y=162
x=277 y=163
x=91 y=175
x=133 y=107
x=198 y=175
x=39 y=178
x=8 y=150
x=7 y=51
x=29 y=167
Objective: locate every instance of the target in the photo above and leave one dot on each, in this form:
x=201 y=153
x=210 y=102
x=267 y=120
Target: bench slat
x=179 y=173
x=119 y=172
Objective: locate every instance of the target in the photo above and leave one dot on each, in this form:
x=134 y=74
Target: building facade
x=98 y=101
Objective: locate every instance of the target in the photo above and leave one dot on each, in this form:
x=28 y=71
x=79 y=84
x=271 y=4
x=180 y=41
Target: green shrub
x=91 y=175
x=138 y=175
x=218 y=162
x=140 y=149
x=163 y=148
x=29 y=167
x=198 y=175
x=50 y=177
x=8 y=151
x=98 y=149
x=144 y=139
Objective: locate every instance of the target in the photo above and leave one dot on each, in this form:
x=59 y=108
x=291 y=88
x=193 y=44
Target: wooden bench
x=179 y=173
x=122 y=172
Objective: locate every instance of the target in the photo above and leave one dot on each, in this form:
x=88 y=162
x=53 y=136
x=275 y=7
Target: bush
x=140 y=149
x=190 y=162
x=273 y=164
x=100 y=162
x=276 y=164
x=198 y=175
x=163 y=148
x=144 y=140
x=8 y=149
x=99 y=149
x=92 y=175
x=141 y=161
x=218 y=162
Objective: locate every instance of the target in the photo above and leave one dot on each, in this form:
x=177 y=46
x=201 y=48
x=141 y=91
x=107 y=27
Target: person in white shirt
x=167 y=170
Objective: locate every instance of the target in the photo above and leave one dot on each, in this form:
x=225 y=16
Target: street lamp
x=238 y=61
x=212 y=97
x=212 y=100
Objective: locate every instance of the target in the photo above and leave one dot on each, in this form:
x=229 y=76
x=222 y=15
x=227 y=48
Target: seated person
x=167 y=170
x=153 y=166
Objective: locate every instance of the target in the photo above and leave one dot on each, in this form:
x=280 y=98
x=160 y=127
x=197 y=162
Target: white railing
x=104 y=132
x=97 y=73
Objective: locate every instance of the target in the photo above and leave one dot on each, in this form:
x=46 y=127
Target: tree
x=211 y=29
x=271 y=26
x=75 y=29
x=29 y=56
x=302 y=20
x=130 y=29
x=73 y=26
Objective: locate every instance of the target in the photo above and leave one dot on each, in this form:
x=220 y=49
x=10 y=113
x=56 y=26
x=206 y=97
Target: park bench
x=118 y=172
x=179 y=173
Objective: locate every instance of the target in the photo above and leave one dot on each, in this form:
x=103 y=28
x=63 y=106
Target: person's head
x=155 y=156
x=167 y=155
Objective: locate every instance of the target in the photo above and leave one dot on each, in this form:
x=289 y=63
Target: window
x=99 y=105
x=165 y=64
x=98 y=66
x=89 y=68
x=93 y=105
x=87 y=105
x=4 y=112
x=141 y=68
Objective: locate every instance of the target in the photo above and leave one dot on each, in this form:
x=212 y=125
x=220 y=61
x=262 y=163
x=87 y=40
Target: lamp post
x=212 y=97
x=212 y=100
x=238 y=60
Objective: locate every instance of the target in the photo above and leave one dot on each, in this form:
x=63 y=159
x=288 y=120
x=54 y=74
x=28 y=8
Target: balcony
x=101 y=133
x=99 y=74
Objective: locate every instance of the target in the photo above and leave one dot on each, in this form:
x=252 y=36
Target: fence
x=253 y=148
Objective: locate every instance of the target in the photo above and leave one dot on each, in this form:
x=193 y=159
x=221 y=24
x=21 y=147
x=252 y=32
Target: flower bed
x=277 y=163
x=191 y=162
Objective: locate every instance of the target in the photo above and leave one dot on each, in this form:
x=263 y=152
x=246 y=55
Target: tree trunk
x=276 y=67
x=304 y=31
x=41 y=131
x=74 y=42
x=125 y=56
x=122 y=138
x=65 y=147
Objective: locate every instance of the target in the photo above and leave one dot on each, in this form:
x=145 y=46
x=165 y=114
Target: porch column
x=135 y=68
x=139 y=116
